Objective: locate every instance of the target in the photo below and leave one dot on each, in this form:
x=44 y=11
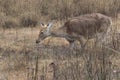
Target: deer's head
x=44 y=32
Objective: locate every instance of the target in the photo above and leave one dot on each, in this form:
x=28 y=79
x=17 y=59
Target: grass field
x=22 y=59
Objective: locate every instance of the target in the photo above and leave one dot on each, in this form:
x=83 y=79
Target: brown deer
x=79 y=28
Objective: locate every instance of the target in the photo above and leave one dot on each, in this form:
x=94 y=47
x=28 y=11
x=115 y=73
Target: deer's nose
x=37 y=41
x=42 y=32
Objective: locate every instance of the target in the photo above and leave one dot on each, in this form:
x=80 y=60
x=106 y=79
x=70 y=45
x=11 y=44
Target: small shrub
x=10 y=24
x=7 y=22
x=2 y=19
x=28 y=20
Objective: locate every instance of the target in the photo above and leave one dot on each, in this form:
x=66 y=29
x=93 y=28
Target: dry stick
x=36 y=68
x=37 y=62
x=111 y=49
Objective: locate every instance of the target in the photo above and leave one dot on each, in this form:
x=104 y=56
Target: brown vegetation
x=22 y=59
x=30 y=12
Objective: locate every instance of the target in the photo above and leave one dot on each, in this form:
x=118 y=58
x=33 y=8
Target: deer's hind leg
x=101 y=38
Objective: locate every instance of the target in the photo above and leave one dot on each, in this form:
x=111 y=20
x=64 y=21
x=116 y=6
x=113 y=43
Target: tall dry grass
x=32 y=12
x=22 y=59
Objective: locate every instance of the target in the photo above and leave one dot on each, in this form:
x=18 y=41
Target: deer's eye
x=42 y=32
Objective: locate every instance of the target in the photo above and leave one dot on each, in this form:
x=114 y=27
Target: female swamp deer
x=86 y=26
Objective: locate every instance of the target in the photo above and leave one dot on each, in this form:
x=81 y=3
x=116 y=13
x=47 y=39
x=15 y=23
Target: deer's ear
x=49 y=25
x=42 y=24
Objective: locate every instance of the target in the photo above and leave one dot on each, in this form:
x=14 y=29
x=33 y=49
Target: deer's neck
x=58 y=35
x=68 y=37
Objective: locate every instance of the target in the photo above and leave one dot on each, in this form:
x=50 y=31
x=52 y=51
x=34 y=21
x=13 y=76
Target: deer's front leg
x=71 y=42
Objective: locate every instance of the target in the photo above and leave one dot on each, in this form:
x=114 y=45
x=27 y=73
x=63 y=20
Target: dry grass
x=22 y=59
x=29 y=12
x=19 y=55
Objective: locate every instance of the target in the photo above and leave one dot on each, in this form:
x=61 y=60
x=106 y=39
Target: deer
x=83 y=27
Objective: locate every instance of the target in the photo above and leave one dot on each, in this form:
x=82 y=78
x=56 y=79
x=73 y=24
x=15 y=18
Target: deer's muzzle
x=37 y=41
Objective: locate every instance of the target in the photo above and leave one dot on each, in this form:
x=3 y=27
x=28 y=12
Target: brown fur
x=88 y=25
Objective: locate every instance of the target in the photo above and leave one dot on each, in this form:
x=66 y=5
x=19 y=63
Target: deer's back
x=87 y=25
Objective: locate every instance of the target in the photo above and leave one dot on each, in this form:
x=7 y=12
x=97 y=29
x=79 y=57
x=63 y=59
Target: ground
x=18 y=58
